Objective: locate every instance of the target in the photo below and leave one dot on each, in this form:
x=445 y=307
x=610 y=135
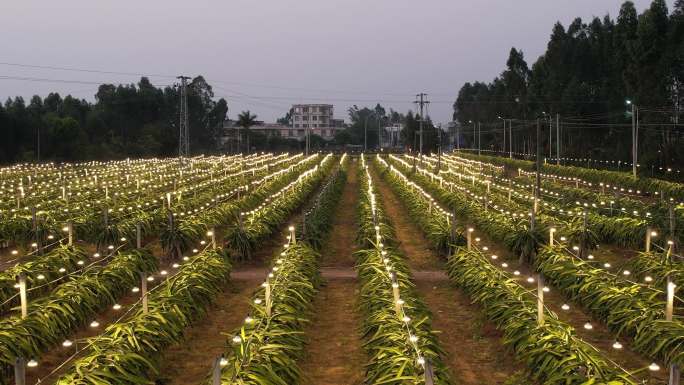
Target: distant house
x=317 y=118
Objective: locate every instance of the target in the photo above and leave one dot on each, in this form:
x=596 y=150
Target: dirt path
x=191 y=361
x=472 y=344
x=599 y=336
x=334 y=355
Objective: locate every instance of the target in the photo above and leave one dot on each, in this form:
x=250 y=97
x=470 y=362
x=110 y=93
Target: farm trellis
x=154 y=242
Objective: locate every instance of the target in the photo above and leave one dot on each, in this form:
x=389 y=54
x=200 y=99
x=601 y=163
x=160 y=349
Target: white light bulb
x=116 y=306
x=565 y=307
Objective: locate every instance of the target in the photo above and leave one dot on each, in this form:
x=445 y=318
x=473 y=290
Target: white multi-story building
x=317 y=118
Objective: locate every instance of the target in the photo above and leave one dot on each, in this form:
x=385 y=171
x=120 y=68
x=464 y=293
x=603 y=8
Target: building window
x=300 y=132
x=314 y=117
x=305 y=118
x=306 y=109
x=296 y=125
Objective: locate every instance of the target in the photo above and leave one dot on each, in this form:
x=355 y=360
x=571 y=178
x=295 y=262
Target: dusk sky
x=266 y=55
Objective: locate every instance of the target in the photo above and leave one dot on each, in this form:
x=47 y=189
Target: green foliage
x=244 y=236
x=440 y=231
x=392 y=355
x=126 y=120
x=552 y=352
x=126 y=353
x=51 y=319
x=317 y=221
x=48 y=266
x=626 y=308
x=269 y=346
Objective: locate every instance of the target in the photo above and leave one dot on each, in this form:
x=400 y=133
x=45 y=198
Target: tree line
x=590 y=75
x=124 y=121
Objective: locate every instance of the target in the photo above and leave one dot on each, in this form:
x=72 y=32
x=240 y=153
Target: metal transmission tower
x=421 y=102
x=184 y=127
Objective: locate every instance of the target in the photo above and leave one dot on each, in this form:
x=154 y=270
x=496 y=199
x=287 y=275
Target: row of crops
x=85 y=285
x=632 y=310
x=163 y=236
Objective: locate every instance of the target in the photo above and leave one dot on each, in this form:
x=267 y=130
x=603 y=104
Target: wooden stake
x=469 y=239
x=429 y=374
x=395 y=294
x=20 y=371
x=143 y=291
x=138 y=235
x=540 y=300
x=70 y=230
x=216 y=371
x=268 y=298
x=22 y=295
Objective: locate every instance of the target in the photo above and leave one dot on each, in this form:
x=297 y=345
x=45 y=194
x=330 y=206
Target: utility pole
x=550 y=139
x=458 y=136
x=503 y=149
x=306 y=140
x=479 y=139
x=422 y=102
x=558 y=139
x=538 y=170
x=38 y=143
x=510 y=136
x=439 y=149
x=184 y=135
x=635 y=137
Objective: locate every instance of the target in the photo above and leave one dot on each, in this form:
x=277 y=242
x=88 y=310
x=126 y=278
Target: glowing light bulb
x=565 y=307
x=588 y=325
x=116 y=306
x=617 y=345
x=67 y=343
x=654 y=367
x=94 y=324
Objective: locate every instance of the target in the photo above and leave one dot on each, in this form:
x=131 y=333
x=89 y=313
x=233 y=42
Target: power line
x=72 y=69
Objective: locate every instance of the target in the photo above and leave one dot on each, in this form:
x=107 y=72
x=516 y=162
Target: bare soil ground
x=599 y=336
x=334 y=354
x=472 y=344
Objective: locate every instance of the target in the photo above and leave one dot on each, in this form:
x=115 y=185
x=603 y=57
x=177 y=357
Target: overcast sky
x=265 y=55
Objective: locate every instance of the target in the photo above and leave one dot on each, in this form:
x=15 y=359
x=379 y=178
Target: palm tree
x=246 y=120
